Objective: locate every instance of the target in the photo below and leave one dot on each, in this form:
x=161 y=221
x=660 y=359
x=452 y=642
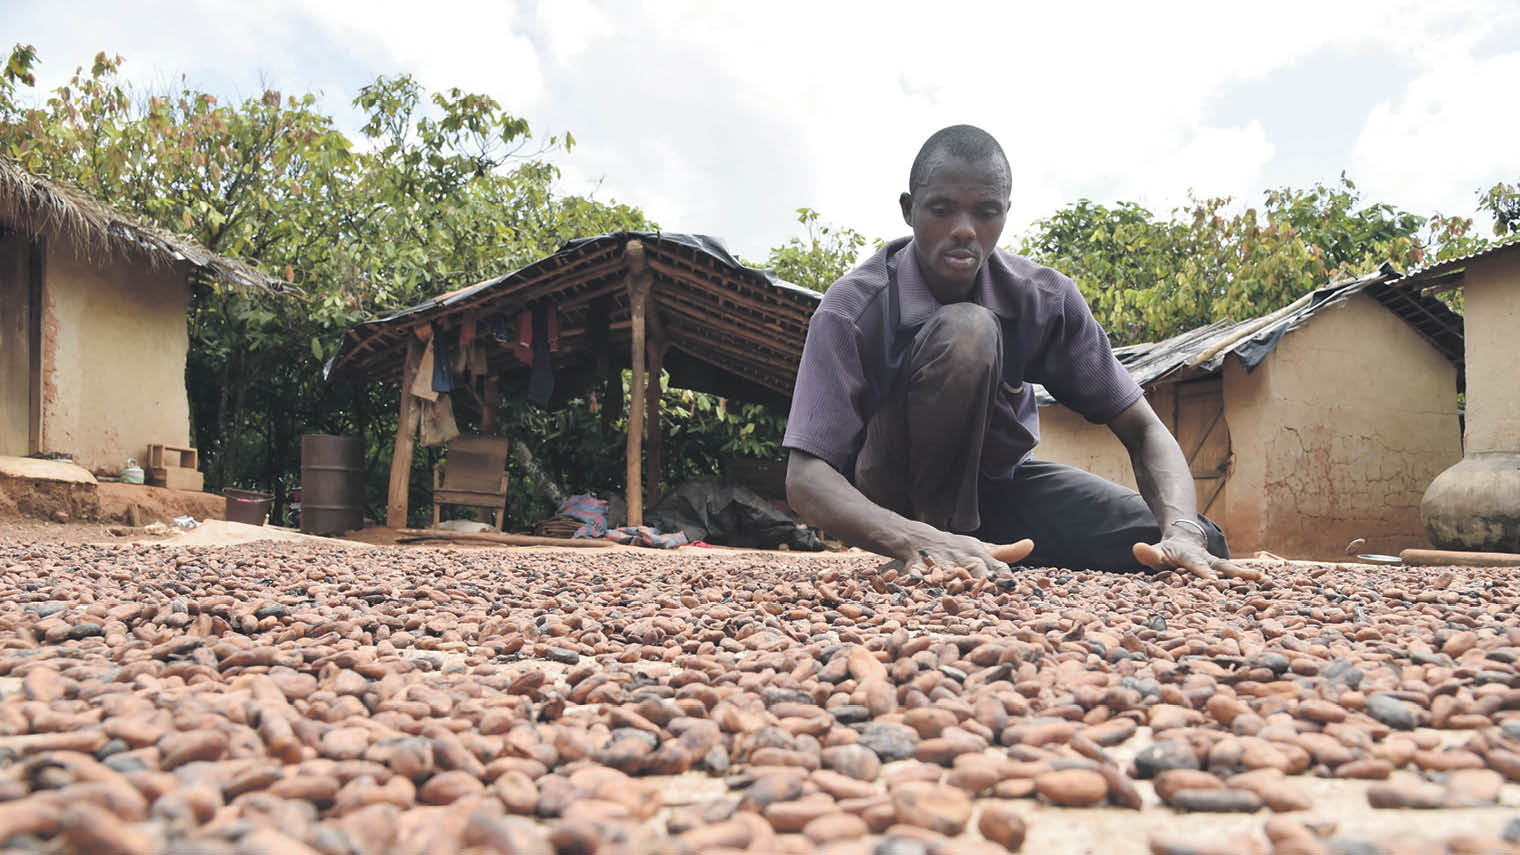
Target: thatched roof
x=96 y=231
x=1202 y=351
x=733 y=330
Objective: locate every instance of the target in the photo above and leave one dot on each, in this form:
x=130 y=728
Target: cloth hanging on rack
x=541 y=379
x=467 y=329
x=540 y=322
x=437 y=421
x=443 y=366
x=422 y=384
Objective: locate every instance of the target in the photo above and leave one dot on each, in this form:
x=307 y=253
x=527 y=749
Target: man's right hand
x=929 y=547
x=826 y=500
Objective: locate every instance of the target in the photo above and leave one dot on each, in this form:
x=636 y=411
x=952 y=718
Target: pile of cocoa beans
x=298 y=698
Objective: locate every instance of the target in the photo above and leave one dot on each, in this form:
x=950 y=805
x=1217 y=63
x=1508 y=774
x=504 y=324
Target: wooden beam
x=657 y=345
x=406 y=438
x=775 y=343
x=638 y=298
x=36 y=309
x=751 y=299
x=415 y=535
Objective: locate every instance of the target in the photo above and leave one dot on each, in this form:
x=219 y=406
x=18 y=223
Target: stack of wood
x=557 y=526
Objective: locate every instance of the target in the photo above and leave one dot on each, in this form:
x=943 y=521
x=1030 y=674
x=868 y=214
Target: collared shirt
x=859 y=334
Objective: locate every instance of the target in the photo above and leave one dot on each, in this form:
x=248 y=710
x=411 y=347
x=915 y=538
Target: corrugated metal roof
x=1203 y=350
x=732 y=329
x=1425 y=275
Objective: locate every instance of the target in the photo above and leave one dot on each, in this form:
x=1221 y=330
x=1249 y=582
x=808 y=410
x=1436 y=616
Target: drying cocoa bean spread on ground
x=297 y=698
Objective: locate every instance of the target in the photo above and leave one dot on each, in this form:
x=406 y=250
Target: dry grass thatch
x=97 y=231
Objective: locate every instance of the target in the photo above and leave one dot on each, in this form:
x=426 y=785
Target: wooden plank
x=406 y=438
x=638 y=296
x=37 y=273
x=412 y=535
x=781 y=379
x=688 y=272
x=764 y=336
x=657 y=347
x=1458 y=558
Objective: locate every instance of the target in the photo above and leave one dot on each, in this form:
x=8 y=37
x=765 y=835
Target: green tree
x=816 y=261
x=1502 y=201
x=450 y=190
x=1148 y=278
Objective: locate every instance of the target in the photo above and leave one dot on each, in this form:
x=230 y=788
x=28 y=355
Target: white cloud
x=724 y=118
x=1449 y=135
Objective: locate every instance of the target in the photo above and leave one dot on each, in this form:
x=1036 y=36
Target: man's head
x=956 y=204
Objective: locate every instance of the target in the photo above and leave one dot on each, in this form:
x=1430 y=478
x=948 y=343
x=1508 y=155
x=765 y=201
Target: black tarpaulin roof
x=732 y=330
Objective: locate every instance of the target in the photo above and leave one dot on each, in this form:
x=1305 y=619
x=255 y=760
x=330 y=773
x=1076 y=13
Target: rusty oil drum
x=332 y=484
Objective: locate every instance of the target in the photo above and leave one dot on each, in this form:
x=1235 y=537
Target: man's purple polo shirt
x=858 y=338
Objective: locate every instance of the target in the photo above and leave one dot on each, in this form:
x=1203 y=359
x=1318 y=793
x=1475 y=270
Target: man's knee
x=965 y=333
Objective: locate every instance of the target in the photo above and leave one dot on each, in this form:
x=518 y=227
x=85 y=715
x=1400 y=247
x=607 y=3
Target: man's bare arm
x=827 y=500
x=1166 y=483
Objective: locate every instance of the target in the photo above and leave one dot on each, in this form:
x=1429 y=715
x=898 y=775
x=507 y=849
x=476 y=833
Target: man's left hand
x=1184 y=553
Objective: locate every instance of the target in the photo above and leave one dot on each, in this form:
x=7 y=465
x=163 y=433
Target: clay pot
x=1475 y=505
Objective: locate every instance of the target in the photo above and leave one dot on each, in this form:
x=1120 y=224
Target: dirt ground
x=1338 y=803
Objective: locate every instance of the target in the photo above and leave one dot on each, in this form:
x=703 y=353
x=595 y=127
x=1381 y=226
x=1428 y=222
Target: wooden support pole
x=406 y=437
x=638 y=298
x=652 y=409
x=36 y=310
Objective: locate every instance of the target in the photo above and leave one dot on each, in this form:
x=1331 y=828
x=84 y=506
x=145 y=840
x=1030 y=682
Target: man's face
x=957 y=215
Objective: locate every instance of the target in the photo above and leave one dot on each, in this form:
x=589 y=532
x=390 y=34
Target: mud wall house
x=93 y=336
x=1304 y=429
x=1475 y=505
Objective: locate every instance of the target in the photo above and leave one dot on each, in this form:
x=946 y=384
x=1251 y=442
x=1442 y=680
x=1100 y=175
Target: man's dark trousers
x=922 y=454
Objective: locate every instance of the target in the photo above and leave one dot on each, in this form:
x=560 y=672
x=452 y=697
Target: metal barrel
x=332 y=484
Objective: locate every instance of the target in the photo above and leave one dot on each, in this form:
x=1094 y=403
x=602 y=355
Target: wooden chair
x=473 y=473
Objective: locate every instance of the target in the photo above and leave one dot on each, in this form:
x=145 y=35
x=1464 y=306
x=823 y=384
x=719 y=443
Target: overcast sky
x=725 y=117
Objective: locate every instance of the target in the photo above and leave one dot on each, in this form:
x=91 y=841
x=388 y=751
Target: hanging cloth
x=437 y=423
x=422 y=384
x=539 y=323
x=537 y=336
x=443 y=366
x=467 y=329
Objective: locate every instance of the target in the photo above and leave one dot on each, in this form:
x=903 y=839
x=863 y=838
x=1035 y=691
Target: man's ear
x=906 y=202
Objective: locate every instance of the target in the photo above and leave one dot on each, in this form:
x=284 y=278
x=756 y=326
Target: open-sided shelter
x=93 y=334
x=1327 y=424
x=645 y=300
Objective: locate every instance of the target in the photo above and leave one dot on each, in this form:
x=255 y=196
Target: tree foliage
x=816 y=260
x=1502 y=201
x=1148 y=278
x=449 y=189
